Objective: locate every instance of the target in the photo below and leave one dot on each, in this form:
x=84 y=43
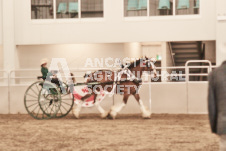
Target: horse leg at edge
x=116 y=108
x=145 y=112
x=100 y=109
x=76 y=109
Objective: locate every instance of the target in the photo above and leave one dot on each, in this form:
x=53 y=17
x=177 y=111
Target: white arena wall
x=166 y=97
x=114 y=27
x=221 y=31
x=77 y=54
x=1 y=31
x=19 y=29
x=1 y=57
x=29 y=56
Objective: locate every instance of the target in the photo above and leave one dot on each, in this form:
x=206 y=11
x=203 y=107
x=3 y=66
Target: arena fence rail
x=4 y=92
x=176 y=96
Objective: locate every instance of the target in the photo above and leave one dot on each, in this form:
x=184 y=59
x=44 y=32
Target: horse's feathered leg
x=144 y=110
x=117 y=108
x=100 y=109
x=76 y=109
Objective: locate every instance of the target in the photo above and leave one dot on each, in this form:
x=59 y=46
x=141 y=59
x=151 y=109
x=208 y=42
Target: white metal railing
x=187 y=72
x=4 y=77
x=196 y=61
x=33 y=73
x=16 y=74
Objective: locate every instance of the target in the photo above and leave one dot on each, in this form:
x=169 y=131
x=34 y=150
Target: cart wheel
x=67 y=102
x=49 y=99
x=31 y=101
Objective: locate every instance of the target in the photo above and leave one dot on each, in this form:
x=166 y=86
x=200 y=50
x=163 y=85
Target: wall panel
x=114 y=28
x=171 y=98
x=4 y=100
x=197 y=97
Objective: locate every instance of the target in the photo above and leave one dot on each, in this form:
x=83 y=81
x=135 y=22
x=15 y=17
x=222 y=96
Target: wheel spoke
x=64 y=107
x=31 y=100
x=44 y=103
x=33 y=91
x=32 y=104
x=67 y=99
x=38 y=112
x=55 y=106
x=52 y=109
x=64 y=95
x=31 y=95
x=66 y=103
x=37 y=87
x=59 y=108
x=46 y=109
x=61 y=112
x=35 y=108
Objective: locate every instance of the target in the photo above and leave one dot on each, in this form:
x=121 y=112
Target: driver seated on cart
x=49 y=76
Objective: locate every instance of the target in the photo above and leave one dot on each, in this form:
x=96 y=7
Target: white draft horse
x=126 y=82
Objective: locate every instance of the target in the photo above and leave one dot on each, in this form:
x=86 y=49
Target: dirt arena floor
x=91 y=133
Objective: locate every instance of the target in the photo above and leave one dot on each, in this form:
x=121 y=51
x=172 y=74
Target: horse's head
x=150 y=65
x=144 y=64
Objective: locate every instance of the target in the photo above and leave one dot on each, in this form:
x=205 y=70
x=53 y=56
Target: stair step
x=183 y=64
x=189 y=48
x=185 y=53
x=187 y=56
x=185 y=46
x=184 y=42
x=186 y=59
x=179 y=64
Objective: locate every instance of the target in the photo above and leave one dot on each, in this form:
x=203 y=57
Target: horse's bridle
x=150 y=62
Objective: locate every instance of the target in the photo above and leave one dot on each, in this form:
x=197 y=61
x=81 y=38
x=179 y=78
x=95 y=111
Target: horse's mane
x=135 y=63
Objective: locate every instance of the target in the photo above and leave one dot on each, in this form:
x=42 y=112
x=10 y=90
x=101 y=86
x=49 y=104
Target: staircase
x=184 y=51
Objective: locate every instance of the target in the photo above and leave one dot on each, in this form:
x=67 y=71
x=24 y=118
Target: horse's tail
x=88 y=77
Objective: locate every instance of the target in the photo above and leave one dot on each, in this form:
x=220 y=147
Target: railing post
x=188 y=74
x=150 y=102
x=9 y=77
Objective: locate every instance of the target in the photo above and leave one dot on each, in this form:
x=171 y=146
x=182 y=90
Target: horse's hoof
x=109 y=116
x=75 y=113
x=113 y=115
x=104 y=115
x=146 y=115
x=76 y=116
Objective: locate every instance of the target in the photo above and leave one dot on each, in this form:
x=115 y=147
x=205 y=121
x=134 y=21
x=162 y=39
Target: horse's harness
x=130 y=75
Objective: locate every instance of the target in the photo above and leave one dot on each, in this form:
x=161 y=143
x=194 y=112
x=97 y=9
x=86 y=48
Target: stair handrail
x=171 y=53
x=203 y=51
x=196 y=61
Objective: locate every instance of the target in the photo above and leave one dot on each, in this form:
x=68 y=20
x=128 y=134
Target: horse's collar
x=131 y=75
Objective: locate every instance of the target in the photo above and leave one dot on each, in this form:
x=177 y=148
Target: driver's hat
x=43 y=61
